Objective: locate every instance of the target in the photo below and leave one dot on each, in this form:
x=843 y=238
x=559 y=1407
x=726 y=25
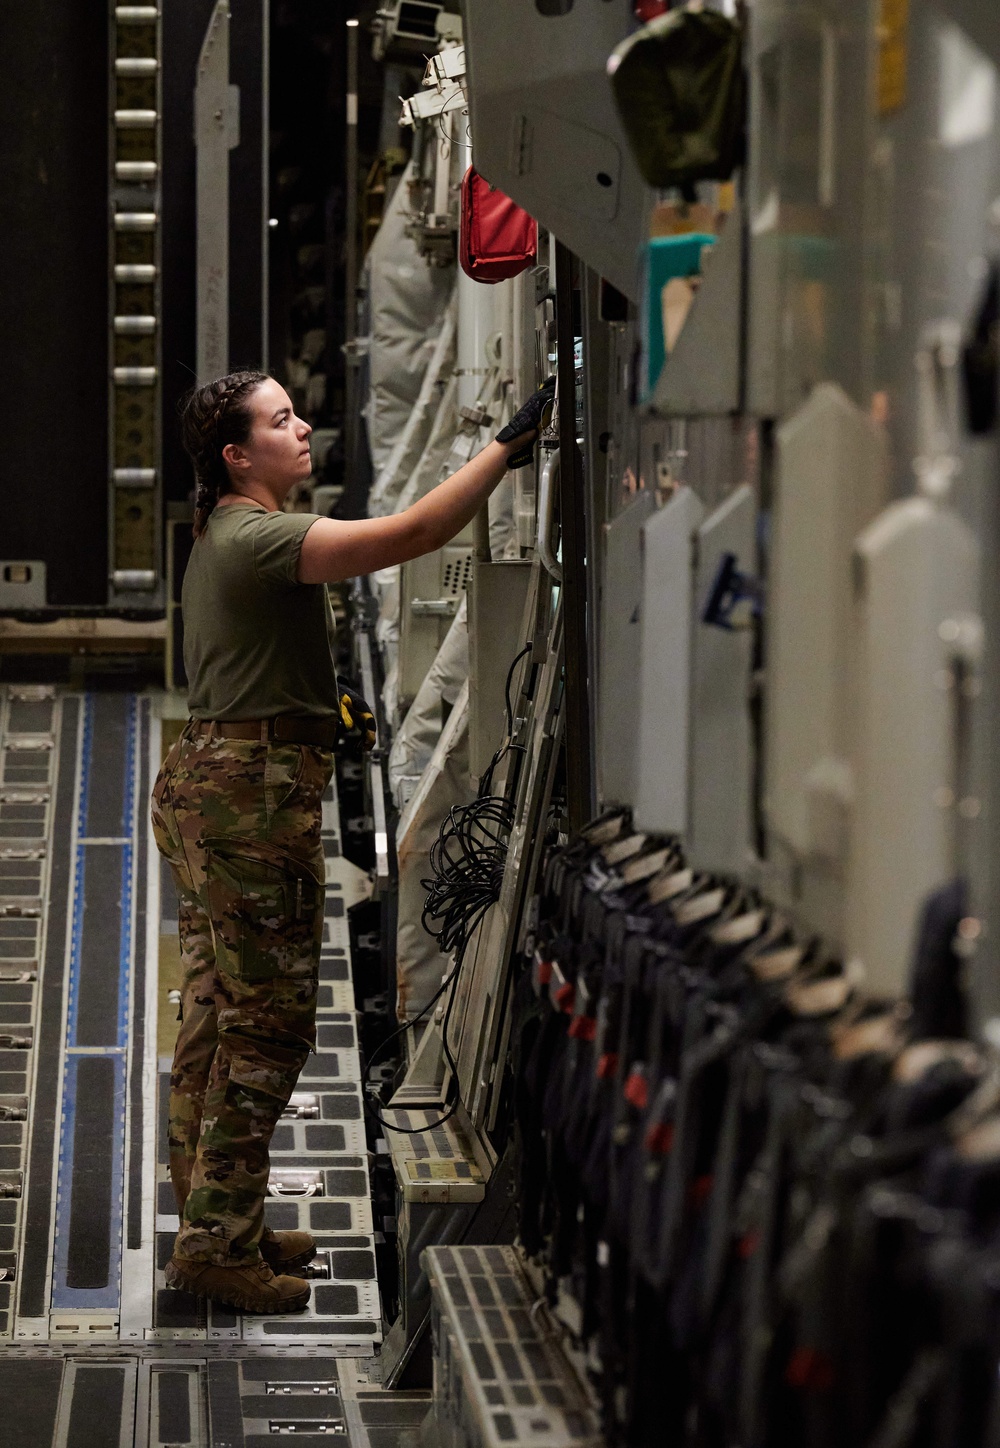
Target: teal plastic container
x=665 y=257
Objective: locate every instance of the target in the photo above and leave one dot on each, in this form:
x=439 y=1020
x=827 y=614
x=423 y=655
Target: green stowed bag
x=680 y=91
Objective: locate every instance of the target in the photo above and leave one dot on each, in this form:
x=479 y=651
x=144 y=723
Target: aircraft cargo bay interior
x=499 y=651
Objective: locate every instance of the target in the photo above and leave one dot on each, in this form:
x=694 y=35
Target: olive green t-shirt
x=256 y=642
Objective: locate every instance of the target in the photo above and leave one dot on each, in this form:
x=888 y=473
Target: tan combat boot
x=251 y=1288
x=286 y=1251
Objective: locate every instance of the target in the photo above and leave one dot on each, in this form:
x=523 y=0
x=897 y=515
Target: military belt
x=320 y=731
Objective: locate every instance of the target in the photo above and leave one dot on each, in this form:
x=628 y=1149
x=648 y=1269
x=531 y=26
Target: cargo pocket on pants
x=165 y=831
x=262 y=912
x=265 y=1079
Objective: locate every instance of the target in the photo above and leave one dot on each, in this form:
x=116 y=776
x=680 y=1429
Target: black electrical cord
x=408 y=1026
x=467 y=861
x=485 y=784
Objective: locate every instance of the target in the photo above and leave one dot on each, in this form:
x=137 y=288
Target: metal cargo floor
x=94 y=1350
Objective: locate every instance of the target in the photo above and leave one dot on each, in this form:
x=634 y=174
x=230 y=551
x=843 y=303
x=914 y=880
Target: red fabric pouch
x=497 y=239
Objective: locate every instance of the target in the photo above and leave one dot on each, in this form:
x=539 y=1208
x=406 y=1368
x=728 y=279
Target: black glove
x=534 y=416
x=357 y=720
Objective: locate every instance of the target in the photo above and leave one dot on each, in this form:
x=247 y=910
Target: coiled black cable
x=467 y=863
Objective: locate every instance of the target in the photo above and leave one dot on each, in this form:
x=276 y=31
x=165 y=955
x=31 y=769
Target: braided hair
x=212 y=417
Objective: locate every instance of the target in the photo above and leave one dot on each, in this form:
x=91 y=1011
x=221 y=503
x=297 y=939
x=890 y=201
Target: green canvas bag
x=680 y=91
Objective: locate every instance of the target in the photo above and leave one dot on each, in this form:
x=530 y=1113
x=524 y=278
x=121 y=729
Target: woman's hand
x=527 y=424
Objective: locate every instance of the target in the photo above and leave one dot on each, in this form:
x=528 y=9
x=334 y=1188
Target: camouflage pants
x=239 y=822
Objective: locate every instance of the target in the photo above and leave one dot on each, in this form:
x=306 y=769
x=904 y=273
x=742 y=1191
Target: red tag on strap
x=583 y=1028
x=660 y=1138
x=636 y=1089
x=563 y=996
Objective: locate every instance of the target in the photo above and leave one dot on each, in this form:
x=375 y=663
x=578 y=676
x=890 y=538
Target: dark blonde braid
x=212 y=417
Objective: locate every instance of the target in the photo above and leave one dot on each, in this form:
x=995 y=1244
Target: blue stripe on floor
x=89 y=1204
x=88 y=1240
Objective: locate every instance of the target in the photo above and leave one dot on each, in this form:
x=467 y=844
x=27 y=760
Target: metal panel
x=495 y=1348
x=665 y=657
x=919 y=589
x=981 y=22
x=810 y=71
x=481 y=1004
x=497 y=596
x=96 y=1408
x=217 y=131
x=829 y=483
x=621 y=599
x=702 y=375
x=719 y=836
x=574 y=589
x=177 y=1404
x=545 y=128
x=430 y=592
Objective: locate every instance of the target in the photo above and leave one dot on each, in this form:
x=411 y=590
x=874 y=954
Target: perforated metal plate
x=500 y=1371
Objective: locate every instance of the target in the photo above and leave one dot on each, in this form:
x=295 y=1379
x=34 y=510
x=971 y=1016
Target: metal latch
x=323 y=1389
x=32 y=693
x=14 y=1043
x=290 y=1182
x=14 y=1110
x=10 y=1189
x=434 y=607
x=309 y=1425
x=319 y=1267
x=302 y=1106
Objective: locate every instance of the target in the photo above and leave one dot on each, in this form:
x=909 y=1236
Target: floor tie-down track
x=87 y=1216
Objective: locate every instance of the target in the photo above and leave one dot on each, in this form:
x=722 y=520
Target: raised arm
x=334 y=549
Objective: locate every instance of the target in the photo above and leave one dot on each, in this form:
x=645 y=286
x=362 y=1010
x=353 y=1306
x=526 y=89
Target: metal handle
x=546 y=506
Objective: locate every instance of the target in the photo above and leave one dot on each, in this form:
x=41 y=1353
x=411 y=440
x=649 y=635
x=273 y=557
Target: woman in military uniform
x=237 y=805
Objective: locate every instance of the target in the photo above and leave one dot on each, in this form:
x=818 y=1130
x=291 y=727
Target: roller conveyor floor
x=94 y=1350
